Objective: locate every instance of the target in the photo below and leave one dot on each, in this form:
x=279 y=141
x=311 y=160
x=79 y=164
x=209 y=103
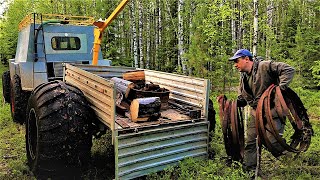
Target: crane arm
x=100 y=27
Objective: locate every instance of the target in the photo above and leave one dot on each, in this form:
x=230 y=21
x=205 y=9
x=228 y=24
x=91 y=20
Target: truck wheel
x=58 y=131
x=6 y=86
x=18 y=102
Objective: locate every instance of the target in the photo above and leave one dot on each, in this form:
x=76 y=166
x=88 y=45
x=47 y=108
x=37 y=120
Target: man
x=256 y=77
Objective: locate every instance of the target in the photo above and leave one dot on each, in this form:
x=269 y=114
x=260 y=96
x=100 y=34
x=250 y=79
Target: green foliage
x=316 y=72
x=210 y=43
x=293 y=36
x=311 y=100
x=9 y=27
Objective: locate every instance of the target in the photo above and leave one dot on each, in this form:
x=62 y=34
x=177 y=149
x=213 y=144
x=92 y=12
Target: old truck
x=64 y=100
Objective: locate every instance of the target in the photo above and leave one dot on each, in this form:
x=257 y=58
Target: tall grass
x=12 y=147
x=311 y=101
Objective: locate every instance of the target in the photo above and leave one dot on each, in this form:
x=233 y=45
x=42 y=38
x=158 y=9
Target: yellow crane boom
x=100 y=27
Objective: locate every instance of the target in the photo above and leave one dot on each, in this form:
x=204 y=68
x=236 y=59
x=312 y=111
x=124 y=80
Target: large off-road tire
x=6 y=86
x=18 y=100
x=58 y=131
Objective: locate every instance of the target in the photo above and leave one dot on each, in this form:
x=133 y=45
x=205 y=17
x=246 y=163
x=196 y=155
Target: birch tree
x=269 y=29
x=233 y=25
x=140 y=4
x=159 y=33
x=192 y=9
x=148 y=37
x=134 y=34
x=255 y=27
x=240 y=20
x=181 y=59
x=156 y=37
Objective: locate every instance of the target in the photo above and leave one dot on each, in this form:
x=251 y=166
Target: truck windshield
x=65 y=43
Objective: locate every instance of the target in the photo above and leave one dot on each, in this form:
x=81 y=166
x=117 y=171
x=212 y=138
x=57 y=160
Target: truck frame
x=64 y=101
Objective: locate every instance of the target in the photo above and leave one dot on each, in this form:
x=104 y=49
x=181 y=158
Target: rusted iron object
x=232 y=127
x=151 y=90
x=286 y=104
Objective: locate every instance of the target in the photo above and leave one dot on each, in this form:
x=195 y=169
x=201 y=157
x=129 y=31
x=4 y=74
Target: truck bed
x=100 y=91
x=146 y=147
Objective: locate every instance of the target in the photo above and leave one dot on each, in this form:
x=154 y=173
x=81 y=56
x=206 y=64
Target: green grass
x=12 y=153
x=305 y=166
x=311 y=100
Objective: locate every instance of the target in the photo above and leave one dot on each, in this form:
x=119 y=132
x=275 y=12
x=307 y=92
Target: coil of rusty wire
x=232 y=128
x=286 y=104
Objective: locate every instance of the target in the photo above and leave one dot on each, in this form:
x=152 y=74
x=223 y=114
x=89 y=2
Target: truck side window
x=65 y=43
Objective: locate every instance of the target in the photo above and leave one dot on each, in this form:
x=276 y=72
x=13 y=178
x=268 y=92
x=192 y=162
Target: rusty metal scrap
x=232 y=127
x=286 y=104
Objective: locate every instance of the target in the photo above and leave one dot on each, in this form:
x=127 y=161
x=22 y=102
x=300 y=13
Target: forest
x=194 y=38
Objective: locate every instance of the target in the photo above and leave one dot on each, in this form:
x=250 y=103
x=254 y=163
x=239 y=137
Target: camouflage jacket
x=264 y=73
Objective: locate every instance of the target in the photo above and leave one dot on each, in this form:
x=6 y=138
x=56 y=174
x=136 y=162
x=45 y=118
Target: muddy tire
x=58 y=131
x=18 y=100
x=6 y=86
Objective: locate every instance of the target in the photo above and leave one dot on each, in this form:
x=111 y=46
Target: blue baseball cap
x=240 y=53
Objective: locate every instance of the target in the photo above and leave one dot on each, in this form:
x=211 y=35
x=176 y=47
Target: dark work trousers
x=250 y=151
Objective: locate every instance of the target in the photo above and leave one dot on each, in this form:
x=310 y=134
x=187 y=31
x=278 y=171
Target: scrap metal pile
x=232 y=128
x=286 y=104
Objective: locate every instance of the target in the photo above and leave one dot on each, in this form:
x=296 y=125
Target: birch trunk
x=130 y=36
x=270 y=22
x=117 y=35
x=233 y=25
x=134 y=35
x=181 y=59
x=255 y=28
x=192 y=8
x=159 y=31
x=152 y=36
x=148 y=40
x=140 y=33
x=166 y=15
x=156 y=51
x=122 y=34
x=240 y=19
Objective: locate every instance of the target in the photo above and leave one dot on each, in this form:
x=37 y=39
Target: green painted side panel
x=144 y=152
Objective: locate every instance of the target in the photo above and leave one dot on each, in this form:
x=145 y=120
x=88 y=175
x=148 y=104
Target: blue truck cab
x=45 y=42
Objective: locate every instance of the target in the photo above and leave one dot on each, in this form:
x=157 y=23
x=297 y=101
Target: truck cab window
x=65 y=43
